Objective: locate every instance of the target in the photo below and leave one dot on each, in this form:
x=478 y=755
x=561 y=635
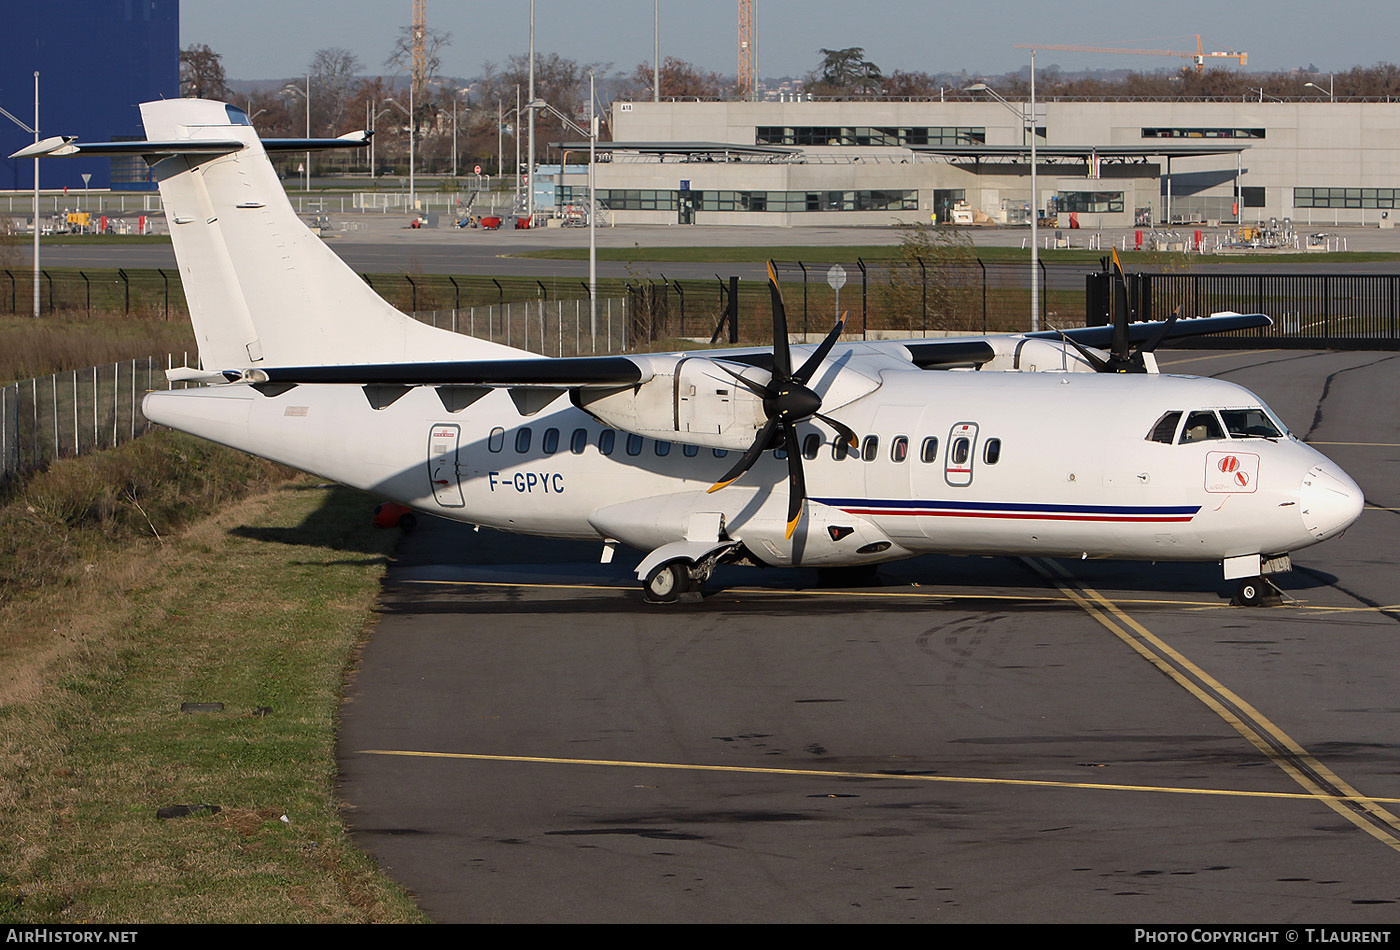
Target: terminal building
x=1099 y=163
x=96 y=62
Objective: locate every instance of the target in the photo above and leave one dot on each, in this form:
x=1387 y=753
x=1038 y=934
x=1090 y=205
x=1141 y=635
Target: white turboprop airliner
x=838 y=455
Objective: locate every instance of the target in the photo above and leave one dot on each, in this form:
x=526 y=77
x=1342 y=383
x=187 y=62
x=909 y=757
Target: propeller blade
x=751 y=455
x=815 y=360
x=843 y=430
x=1120 y=348
x=1151 y=343
x=782 y=356
x=758 y=389
x=797 y=482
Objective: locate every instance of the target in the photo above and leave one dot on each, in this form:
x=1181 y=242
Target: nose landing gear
x=1257 y=592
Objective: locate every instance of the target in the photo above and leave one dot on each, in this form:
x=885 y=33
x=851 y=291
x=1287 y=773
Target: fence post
x=864 y=315
x=984 y=294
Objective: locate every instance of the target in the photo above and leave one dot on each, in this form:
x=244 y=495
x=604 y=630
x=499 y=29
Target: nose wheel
x=1256 y=592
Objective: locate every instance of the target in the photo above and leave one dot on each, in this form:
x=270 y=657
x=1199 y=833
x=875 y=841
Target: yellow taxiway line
x=1318 y=780
x=887 y=776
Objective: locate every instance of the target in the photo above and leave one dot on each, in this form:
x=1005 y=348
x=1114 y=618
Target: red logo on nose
x=1229 y=464
x=1242 y=478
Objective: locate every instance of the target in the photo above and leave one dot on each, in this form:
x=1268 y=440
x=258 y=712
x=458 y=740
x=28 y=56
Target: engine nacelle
x=688 y=399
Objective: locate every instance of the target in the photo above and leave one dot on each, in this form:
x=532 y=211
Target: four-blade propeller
x=1122 y=358
x=786 y=402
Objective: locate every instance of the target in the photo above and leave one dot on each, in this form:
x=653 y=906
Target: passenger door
x=960 y=454
x=444 y=444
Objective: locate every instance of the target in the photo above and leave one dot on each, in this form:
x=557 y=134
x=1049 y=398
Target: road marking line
x=1362 y=811
x=888 y=776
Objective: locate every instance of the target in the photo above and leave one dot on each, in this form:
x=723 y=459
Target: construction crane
x=748 y=80
x=420 y=47
x=1199 y=57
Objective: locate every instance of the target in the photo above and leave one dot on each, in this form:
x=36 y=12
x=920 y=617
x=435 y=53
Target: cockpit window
x=1249 y=424
x=1165 y=429
x=1201 y=426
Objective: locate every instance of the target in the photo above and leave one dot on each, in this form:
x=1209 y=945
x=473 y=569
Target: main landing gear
x=675 y=580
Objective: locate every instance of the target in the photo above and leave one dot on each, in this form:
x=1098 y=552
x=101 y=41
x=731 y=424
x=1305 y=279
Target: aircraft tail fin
x=263 y=290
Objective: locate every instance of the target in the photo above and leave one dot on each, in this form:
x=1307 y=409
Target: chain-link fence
x=548 y=327
x=72 y=413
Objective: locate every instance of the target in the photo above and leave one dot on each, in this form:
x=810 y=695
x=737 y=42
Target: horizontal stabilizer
x=64 y=146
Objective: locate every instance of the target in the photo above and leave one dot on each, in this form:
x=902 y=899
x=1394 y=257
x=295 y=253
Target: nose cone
x=1329 y=501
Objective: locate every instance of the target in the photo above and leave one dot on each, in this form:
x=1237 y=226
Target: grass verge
x=258 y=607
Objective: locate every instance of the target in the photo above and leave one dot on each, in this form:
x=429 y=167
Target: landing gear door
x=961 y=453
x=444 y=442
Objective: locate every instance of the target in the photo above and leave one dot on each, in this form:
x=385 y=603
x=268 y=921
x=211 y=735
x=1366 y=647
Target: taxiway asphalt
x=974 y=740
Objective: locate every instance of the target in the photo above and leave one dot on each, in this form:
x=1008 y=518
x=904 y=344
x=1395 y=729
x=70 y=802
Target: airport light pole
x=35 y=131
x=1027 y=117
x=412 y=182
x=306 y=94
x=1331 y=80
x=592 y=219
x=530 y=160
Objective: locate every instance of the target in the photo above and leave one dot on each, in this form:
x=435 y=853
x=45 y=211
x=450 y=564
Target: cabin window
x=663 y=448
x=690 y=451
x=899 y=448
x=579 y=441
x=522 y=440
x=634 y=444
x=1165 y=429
x=840 y=448
x=991 y=451
x=720 y=453
x=811 y=445
x=962 y=447
x=870 y=448
x=929 y=451
x=1249 y=424
x=1201 y=426
x=496 y=440
x=550 y=442
x=606 y=440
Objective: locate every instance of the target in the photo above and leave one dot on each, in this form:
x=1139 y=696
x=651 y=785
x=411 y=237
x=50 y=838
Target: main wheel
x=667 y=581
x=1251 y=591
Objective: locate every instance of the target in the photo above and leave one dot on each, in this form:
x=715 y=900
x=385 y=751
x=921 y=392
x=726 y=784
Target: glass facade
x=1202 y=133
x=1345 y=197
x=629 y=199
x=1090 y=202
x=868 y=135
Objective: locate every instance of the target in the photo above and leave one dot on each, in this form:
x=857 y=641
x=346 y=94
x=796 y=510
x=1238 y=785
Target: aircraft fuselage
x=955 y=462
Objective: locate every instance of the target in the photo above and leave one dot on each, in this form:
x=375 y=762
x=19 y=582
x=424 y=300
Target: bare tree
x=401 y=58
x=333 y=74
x=679 y=80
x=202 y=73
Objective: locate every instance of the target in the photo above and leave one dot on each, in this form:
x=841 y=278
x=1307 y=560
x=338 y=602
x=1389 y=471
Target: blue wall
x=97 y=61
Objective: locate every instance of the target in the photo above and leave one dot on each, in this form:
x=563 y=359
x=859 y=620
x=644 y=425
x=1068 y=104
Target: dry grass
x=92 y=741
x=60 y=342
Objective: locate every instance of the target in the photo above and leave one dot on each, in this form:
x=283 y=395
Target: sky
x=273 y=39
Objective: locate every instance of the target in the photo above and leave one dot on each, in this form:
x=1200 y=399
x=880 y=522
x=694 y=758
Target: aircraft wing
x=1138 y=333
x=568 y=372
